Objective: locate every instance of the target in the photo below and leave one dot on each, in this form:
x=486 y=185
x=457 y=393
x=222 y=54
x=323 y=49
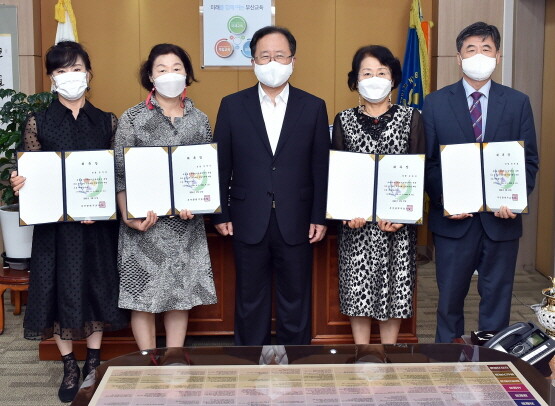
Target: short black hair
x=273 y=29
x=64 y=54
x=164 y=49
x=479 y=29
x=383 y=55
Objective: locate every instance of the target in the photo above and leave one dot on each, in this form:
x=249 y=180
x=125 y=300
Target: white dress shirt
x=483 y=101
x=273 y=114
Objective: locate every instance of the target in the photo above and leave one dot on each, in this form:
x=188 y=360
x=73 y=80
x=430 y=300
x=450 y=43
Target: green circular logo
x=237 y=25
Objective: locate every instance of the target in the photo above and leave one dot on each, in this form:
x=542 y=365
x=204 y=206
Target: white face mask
x=478 y=67
x=170 y=84
x=273 y=74
x=70 y=85
x=374 y=90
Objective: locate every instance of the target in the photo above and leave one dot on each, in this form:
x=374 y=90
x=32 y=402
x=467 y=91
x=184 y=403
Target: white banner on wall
x=228 y=27
x=6 y=67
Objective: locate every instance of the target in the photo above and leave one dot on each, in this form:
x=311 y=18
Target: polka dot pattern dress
x=377 y=269
x=73 y=290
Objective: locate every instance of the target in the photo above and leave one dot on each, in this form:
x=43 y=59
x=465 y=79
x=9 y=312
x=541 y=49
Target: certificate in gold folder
x=483 y=177
x=376 y=187
x=66 y=186
x=169 y=179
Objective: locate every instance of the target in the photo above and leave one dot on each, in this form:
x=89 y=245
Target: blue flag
x=411 y=91
x=415 y=84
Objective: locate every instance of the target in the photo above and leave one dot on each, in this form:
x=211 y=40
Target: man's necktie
x=476 y=115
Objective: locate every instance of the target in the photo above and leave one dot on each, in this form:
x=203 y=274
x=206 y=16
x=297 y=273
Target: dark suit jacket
x=295 y=177
x=447 y=121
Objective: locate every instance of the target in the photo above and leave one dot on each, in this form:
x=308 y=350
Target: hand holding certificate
x=400 y=189
x=175 y=179
x=66 y=186
x=483 y=177
x=376 y=187
x=505 y=176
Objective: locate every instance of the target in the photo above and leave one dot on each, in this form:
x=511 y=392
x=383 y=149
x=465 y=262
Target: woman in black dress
x=73 y=290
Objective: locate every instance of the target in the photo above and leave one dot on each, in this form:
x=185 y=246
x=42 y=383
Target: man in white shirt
x=273 y=144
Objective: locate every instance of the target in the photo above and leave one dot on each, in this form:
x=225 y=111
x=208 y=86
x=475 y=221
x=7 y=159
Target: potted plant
x=13 y=114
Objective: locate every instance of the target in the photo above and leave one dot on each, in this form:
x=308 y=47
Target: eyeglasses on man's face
x=265 y=59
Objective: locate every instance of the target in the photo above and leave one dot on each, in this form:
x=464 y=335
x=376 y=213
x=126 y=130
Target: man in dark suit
x=273 y=143
x=475 y=109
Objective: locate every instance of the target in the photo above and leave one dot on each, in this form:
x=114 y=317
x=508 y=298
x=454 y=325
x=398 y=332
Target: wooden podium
x=328 y=325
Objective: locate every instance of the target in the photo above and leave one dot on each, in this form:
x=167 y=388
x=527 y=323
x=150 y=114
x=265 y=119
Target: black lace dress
x=73 y=290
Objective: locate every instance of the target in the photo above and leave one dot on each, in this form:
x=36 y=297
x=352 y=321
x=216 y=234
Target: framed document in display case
x=483 y=177
x=376 y=187
x=66 y=186
x=169 y=179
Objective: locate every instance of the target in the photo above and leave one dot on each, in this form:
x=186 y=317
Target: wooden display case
x=328 y=325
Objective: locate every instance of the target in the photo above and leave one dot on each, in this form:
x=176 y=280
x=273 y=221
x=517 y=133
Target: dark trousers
x=257 y=266
x=456 y=260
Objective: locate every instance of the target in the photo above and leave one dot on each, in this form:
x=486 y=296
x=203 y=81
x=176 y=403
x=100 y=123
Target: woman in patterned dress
x=377 y=262
x=73 y=291
x=163 y=263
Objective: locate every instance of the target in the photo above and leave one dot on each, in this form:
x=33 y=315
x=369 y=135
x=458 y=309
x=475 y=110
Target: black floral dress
x=377 y=269
x=73 y=289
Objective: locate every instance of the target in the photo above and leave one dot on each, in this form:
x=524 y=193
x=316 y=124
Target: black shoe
x=70 y=382
x=92 y=361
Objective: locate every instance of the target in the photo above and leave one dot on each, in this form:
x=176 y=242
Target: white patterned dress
x=168 y=266
x=377 y=270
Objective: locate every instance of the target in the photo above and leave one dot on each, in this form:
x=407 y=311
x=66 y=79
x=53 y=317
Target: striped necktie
x=476 y=116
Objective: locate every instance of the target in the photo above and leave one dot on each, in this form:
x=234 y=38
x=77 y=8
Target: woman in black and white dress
x=377 y=262
x=164 y=263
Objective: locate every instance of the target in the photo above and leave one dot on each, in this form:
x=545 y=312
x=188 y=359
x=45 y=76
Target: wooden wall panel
x=545 y=253
x=109 y=31
x=329 y=326
x=452 y=17
x=528 y=45
x=30 y=73
x=217 y=318
x=361 y=23
x=315 y=36
x=129 y=28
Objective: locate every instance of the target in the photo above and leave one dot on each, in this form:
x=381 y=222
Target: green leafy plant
x=13 y=114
